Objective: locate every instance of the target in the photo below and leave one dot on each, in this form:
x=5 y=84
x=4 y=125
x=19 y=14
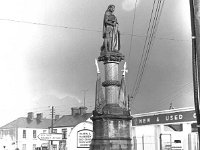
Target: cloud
x=128 y=5
x=73 y=98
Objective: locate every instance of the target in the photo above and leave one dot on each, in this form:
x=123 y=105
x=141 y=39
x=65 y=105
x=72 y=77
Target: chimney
x=39 y=117
x=82 y=110
x=30 y=116
x=75 y=111
x=57 y=117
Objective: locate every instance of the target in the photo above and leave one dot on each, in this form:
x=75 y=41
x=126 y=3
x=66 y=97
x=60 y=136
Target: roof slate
x=64 y=121
x=71 y=121
x=23 y=122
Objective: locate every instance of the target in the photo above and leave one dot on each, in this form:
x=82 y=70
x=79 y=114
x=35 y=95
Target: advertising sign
x=183 y=116
x=84 y=138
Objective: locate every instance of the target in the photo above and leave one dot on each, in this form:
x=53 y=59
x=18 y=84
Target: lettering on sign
x=50 y=137
x=183 y=116
x=173 y=117
x=84 y=138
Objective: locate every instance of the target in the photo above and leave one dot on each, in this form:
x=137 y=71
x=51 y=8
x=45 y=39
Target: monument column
x=111 y=82
x=111 y=117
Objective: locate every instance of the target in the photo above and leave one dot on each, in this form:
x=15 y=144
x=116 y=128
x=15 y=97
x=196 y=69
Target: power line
x=134 y=16
x=90 y=30
x=148 y=44
x=138 y=73
x=49 y=25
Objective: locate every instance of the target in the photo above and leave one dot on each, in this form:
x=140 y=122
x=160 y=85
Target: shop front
x=173 y=129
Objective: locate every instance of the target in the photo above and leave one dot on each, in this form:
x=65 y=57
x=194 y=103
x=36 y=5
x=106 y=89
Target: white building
x=173 y=129
x=77 y=130
x=168 y=129
x=22 y=133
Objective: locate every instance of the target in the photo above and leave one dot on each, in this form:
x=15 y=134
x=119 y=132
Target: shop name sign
x=84 y=138
x=50 y=137
x=183 y=116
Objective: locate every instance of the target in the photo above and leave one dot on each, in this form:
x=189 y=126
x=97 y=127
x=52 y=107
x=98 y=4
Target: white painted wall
x=29 y=140
x=72 y=141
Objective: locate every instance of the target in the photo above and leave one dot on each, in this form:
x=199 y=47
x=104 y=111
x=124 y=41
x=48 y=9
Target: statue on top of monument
x=111 y=34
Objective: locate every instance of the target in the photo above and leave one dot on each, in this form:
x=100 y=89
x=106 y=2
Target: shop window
x=23 y=146
x=62 y=144
x=34 y=146
x=194 y=127
x=54 y=147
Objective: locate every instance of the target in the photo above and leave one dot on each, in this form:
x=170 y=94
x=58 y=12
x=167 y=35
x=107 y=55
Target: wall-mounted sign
x=84 y=138
x=50 y=137
x=183 y=116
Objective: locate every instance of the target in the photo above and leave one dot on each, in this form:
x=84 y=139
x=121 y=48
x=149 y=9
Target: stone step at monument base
x=111 y=144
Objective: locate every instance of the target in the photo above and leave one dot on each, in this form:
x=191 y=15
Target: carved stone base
x=111 y=132
x=111 y=144
x=110 y=56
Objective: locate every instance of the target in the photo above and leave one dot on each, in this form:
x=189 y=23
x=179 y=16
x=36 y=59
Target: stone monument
x=111 y=117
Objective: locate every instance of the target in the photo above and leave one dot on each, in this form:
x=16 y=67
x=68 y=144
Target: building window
x=23 y=146
x=34 y=146
x=54 y=147
x=44 y=131
x=34 y=133
x=1 y=134
x=194 y=127
x=24 y=133
x=54 y=130
x=64 y=133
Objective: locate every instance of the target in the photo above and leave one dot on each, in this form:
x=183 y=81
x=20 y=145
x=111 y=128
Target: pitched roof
x=71 y=120
x=23 y=122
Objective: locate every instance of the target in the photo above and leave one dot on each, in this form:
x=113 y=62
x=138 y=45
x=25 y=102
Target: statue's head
x=111 y=8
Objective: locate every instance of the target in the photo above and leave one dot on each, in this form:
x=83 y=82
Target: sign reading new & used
x=183 y=116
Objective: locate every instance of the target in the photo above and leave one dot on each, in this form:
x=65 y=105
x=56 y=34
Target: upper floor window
x=54 y=130
x=44 y=131
x=24 y=133
x=34 y=133
x=64 y=133
x=1 y=134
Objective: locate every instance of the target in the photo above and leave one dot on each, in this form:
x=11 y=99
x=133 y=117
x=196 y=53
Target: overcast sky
x=48 y=47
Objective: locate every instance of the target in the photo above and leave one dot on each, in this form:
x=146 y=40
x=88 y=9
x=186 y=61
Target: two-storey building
x=22 y=133
x=77 y=130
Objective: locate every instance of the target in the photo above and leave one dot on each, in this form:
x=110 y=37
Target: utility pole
x=84 y=93
x=195 y=29
x=52 y=114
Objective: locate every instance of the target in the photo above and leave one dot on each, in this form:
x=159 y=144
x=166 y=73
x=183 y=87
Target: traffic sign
x=50 y=136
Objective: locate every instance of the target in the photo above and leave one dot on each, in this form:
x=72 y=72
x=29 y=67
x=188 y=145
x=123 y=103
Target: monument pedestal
x=112 y=132
x=111 y=127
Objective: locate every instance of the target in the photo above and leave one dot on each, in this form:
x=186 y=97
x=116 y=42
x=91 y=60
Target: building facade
x=23 y=132
x=173 y=129
x=76 y=130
